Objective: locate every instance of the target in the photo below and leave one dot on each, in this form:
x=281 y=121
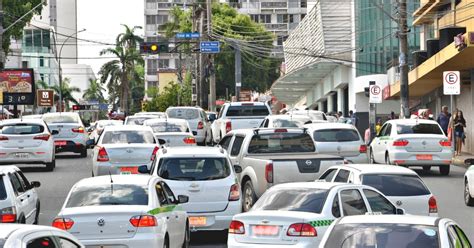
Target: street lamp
x=61 y=71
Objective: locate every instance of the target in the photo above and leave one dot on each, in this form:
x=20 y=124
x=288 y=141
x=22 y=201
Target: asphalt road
x=71 y=168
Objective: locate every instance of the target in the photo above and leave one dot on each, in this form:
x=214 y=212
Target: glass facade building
x=377 y=47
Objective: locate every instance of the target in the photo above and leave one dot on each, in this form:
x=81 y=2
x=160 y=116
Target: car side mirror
x=143 y=169
x=237 y=168
x=90 y=143
x=54 y=132
x=183 y=199
x=161 y=141
x=400 y=211
x=35 y=184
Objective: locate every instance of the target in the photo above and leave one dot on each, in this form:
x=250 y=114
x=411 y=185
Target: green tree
x=94 y=91
x=173 y=95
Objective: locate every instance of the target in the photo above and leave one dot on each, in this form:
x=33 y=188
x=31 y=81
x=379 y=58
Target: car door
x=236 y=148
x=21 y=198
x=31 y=195
x=352 y=202
x=378 y=203
x=380 y=143
x=178 y=216
x=165 y=213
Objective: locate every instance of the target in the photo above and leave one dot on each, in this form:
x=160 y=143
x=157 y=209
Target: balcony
x=274 y=5
x=276 y=26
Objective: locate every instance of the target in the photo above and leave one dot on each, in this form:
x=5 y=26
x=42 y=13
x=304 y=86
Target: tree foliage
x=66 y=90
x=172 y=95
x=95 y=91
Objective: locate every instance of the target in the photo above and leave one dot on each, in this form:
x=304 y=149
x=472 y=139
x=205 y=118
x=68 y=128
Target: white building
x=63 y=18
x=79 y=75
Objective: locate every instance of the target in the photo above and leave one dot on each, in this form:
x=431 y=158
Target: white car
x=339 y=139
x=469 y=187
x=197 y=119
x=412 y=142
x=131 y=211
x=71 y=136
x=285 y=121
x=156 y=114
x=207 y=176
x=19 y=202
x=315 y=115
x=400 y=185
x=27 y=142
x=395 y=231
x=32 y=117
x=138 y=119
x=122 y=149
x=174 y=132
x=100 y=125
x=298 y=214
x=32 y=236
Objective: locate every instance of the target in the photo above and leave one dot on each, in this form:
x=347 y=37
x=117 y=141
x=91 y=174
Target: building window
x=152 y=84
x=156 y=19
x=304 y=4
x=151 y=4
x=41 y=61
x=265 y=19
x=42 y=77
x=152 y=39
x=151 y=66
x=281 y=39
x=254 y=18
x=24 y=64
x=302 y=17
x=163 y=63
x=285 y=18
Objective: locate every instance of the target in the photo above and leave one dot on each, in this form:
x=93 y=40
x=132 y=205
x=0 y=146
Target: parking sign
x=375 y=95
x=451 y=83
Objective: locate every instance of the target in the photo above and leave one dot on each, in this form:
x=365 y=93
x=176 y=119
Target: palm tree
x=67 y=91
x=129 y=39
x=94 y=92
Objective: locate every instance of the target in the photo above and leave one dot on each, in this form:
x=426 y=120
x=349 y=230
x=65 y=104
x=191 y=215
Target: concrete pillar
x=340 y=101
x=320 y=106
x=330 y=103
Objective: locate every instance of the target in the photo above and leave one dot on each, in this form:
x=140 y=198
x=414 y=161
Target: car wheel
x=387 y=159
x=426 y=168
x=51 y=166
x=372 y=159
x=167 y=242
x=468 y=200
x=444 y=169
x=249 y=196
x=83 y=153
x=187 y=237
x=37 y=213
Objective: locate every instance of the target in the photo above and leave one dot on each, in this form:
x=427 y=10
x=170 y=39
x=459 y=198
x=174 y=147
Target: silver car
x=197 y=119
x=283 y=121
x=174 y=132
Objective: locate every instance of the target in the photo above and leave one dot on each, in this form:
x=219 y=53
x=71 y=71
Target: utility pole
x=2 y=57
x=238 y=72
x=212 y=74
x=196 y=66
x=403 y=39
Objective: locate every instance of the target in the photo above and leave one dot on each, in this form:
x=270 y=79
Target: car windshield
x=52 y=119
x=382 y=235
x=21 y=128
x=247 y=110
x=302 y=200
x=108 y=194
x=281 y=143
x=193 y=169
x=161 y=127
x=421 y=128
x=180 y=113
x=396 y=185
x=287 y=123
x=128 y=137
x=3 y=192
x=137 y=120
x=336 y=135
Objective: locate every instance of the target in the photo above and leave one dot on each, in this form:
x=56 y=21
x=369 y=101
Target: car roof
x=8 y=168
x=139 y=179
x=7 y=229
x=198 y=151
x=288 y=117
x=246 y=103
x=108 y=121
x=330 y=125
x=60 y=113
x=184 y=107
x=412 y=121
x=390 y=219
x=377 y=169
x=310 y=185
x=32 y=120
x=266 y=130
x=162 y=120
x=128 y=128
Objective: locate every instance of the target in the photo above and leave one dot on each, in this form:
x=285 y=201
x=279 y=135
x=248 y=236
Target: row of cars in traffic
x=289 y=180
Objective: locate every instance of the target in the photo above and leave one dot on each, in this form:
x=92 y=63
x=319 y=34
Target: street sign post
x=210 y=46
x=188 y=35
x=45 y=98
x=452 y=86
x=375 y=94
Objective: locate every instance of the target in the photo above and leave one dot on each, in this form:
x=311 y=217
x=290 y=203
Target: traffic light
x=154 y=47
x=78 y=107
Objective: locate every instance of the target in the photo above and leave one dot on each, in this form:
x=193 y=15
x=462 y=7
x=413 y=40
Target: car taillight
x=200 y=125
x=301 y=230
x=143 y=221
x=234 y=194
x=2 y=138
x=8 y=215
x=269 y=172
x=153 y=154
x=363 y=149
x=189 y=140
x=78 y=130
x=400 y=142
x=44 y=137
x=445 y=143
x=236 y=227
x=433 y=206
x=281 y=130
x=63 y=223
x=102 y=155
x=228 y=126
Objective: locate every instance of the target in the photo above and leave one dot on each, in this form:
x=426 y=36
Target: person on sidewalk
x=459 y=125
x=443 y=119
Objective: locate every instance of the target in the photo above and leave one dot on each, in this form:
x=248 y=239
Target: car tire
x=51 y=166
x=83 y=153
x=249 y=197
x=427 y=168
x=468 y=200
x=187 y=237
x=387 y=159
x=372 y=159
x=166 y=244
x=444 y=169
x=37 y=213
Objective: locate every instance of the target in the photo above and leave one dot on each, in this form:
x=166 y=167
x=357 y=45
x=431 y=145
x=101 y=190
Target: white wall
x=79 y=75
x=67 y=24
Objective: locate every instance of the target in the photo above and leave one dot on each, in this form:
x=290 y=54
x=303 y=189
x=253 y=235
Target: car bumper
x=75 y=145
x=217 y=221
x=360 y=159
x=104 y=168
x=305 y=243
x=138 y=241
x=35 y=155
x=199 y=135
x=410 y=158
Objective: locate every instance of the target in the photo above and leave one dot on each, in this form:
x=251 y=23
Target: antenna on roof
x=111 y=182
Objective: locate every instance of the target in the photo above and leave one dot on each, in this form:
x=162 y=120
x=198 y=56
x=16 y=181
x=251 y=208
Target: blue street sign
x=103 y=106
x=188 y=35
x=210 y=46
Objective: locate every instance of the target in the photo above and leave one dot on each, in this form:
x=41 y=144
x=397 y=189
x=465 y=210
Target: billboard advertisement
x=18 y=86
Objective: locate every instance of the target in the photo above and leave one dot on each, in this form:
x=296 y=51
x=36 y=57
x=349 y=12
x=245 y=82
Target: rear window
x=247 y=110
x=110 y=194
x=137 y=120
x=21 y=129
x=396 y=185
x=303 y=200
x=194 y=169
x=186 y=114
x=336 y=135
x=109 y=123
x=52 y=119
x=422 y=128
x=162 y=127
x=3 y=192
x=128 y=137
x=287 y=123
x=281 y=143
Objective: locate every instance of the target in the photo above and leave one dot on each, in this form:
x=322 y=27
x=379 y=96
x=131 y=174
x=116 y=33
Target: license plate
x=60 y=143
x=424 y=157
x=22 y=155
x=197 y=221
x=128 y=170
x=263 y=230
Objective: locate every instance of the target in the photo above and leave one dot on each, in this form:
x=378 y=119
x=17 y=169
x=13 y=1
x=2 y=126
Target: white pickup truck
x=239 y=115
x=274 y=156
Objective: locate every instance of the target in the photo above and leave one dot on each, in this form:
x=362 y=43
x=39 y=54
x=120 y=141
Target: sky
x=102 y=20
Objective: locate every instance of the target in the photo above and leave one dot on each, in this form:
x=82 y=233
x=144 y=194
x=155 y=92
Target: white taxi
x=394 y=231
x=412 y=142
x=400 y=185
x=298 y=214
x=131 y=211
x=32 y=236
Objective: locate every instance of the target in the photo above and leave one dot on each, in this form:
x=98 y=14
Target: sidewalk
x=465 y=160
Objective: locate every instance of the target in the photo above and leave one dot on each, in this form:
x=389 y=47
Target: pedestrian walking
x=352 y=118
x=378 y=126
x=459 y=124
x=443 y=119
